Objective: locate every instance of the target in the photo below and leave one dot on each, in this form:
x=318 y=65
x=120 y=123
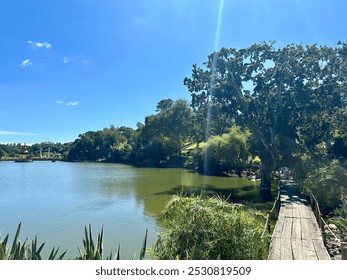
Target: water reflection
x=56 y=200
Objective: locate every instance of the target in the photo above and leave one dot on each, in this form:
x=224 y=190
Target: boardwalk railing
x=316 y=210
x=309 y=247
x=275 y=209
x=323 y=225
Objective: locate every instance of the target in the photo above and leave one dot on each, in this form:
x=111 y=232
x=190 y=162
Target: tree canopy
x=290 y=98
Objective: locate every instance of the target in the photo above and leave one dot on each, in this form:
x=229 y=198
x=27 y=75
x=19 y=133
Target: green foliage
x=164 y=105
x=339 y=148
x=291 y=98
x=9 y=150
x=303 y=168
x=111 y=144
x=226 y=152
x=2 y=152
x=95 y=251
x=163 y=134
x=328 y=184
x=92 y=250
x=54 y=148
x=341 y=219
x=23 y=251
x=198 y=228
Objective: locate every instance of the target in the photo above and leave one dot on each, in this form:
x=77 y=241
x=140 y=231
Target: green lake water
x=55 y=200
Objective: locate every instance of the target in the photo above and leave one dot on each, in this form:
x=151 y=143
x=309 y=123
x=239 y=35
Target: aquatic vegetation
x=210 y=228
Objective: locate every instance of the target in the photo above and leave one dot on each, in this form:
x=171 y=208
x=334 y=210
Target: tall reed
x=210 y=228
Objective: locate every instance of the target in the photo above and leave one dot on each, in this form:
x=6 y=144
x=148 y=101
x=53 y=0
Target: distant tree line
x=11 y=151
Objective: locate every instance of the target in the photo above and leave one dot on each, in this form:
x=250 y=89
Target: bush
x=341 y=219
x=303 y=168
x=328 y=184
x=198 y=228
x=225 y=152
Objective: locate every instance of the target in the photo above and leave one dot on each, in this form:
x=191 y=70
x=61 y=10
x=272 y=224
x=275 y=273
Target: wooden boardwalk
x=296 y=235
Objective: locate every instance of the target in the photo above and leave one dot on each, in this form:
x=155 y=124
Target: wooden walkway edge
x=296 y=235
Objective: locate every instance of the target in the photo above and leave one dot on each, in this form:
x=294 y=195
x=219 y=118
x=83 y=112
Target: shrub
x=225 y=152
x=303 y=168
x=198 y=228
x=340 y=220
x=328 y=184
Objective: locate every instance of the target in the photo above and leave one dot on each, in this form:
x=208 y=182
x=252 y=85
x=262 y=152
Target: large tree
x=288 y=97
x=165 y=133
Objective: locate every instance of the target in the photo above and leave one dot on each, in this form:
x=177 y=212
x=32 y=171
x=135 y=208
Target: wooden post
x=343 y=252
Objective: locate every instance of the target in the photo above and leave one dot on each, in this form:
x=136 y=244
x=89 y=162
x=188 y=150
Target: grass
x=199 y=228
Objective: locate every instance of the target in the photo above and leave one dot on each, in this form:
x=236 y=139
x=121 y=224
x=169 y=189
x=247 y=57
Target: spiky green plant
x=23 y=251
x=143 y=248
x=94 y=251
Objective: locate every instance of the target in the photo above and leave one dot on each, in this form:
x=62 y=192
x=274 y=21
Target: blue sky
x=70 y=66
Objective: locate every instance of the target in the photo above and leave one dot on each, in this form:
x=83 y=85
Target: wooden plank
x=296 y=230
x=275 y=249
x=310 y=213
x=314 y=229
x=296 y=234
x=282 y=213
x=298 y=249
x=287 y=228
x=289 y=211
x=302 y=210
x=296 y=213
x=277 y=233
x=308 y=248
x=286 y=249
x=321 y=252
x=305 y=234
x=305 y=211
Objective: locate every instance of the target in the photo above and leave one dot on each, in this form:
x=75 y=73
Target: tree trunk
x=265 y=176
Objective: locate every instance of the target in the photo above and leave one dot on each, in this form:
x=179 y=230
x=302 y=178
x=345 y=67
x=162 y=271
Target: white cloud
x=40 y=45
x=74 y=103
x=85 y=61
x=26 y=63
x=44 y=45
x=66 y=59
x=6 y=132
x=71 y=103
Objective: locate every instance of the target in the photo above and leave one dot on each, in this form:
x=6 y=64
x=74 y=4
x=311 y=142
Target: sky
x=71 y=66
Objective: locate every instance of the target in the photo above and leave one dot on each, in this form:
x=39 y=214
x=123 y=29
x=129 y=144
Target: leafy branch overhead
x=291 y=98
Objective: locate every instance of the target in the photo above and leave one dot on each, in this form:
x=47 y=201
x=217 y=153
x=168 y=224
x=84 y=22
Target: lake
x=55 y=200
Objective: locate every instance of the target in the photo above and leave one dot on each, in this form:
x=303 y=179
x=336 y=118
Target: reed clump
x=199 y=228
